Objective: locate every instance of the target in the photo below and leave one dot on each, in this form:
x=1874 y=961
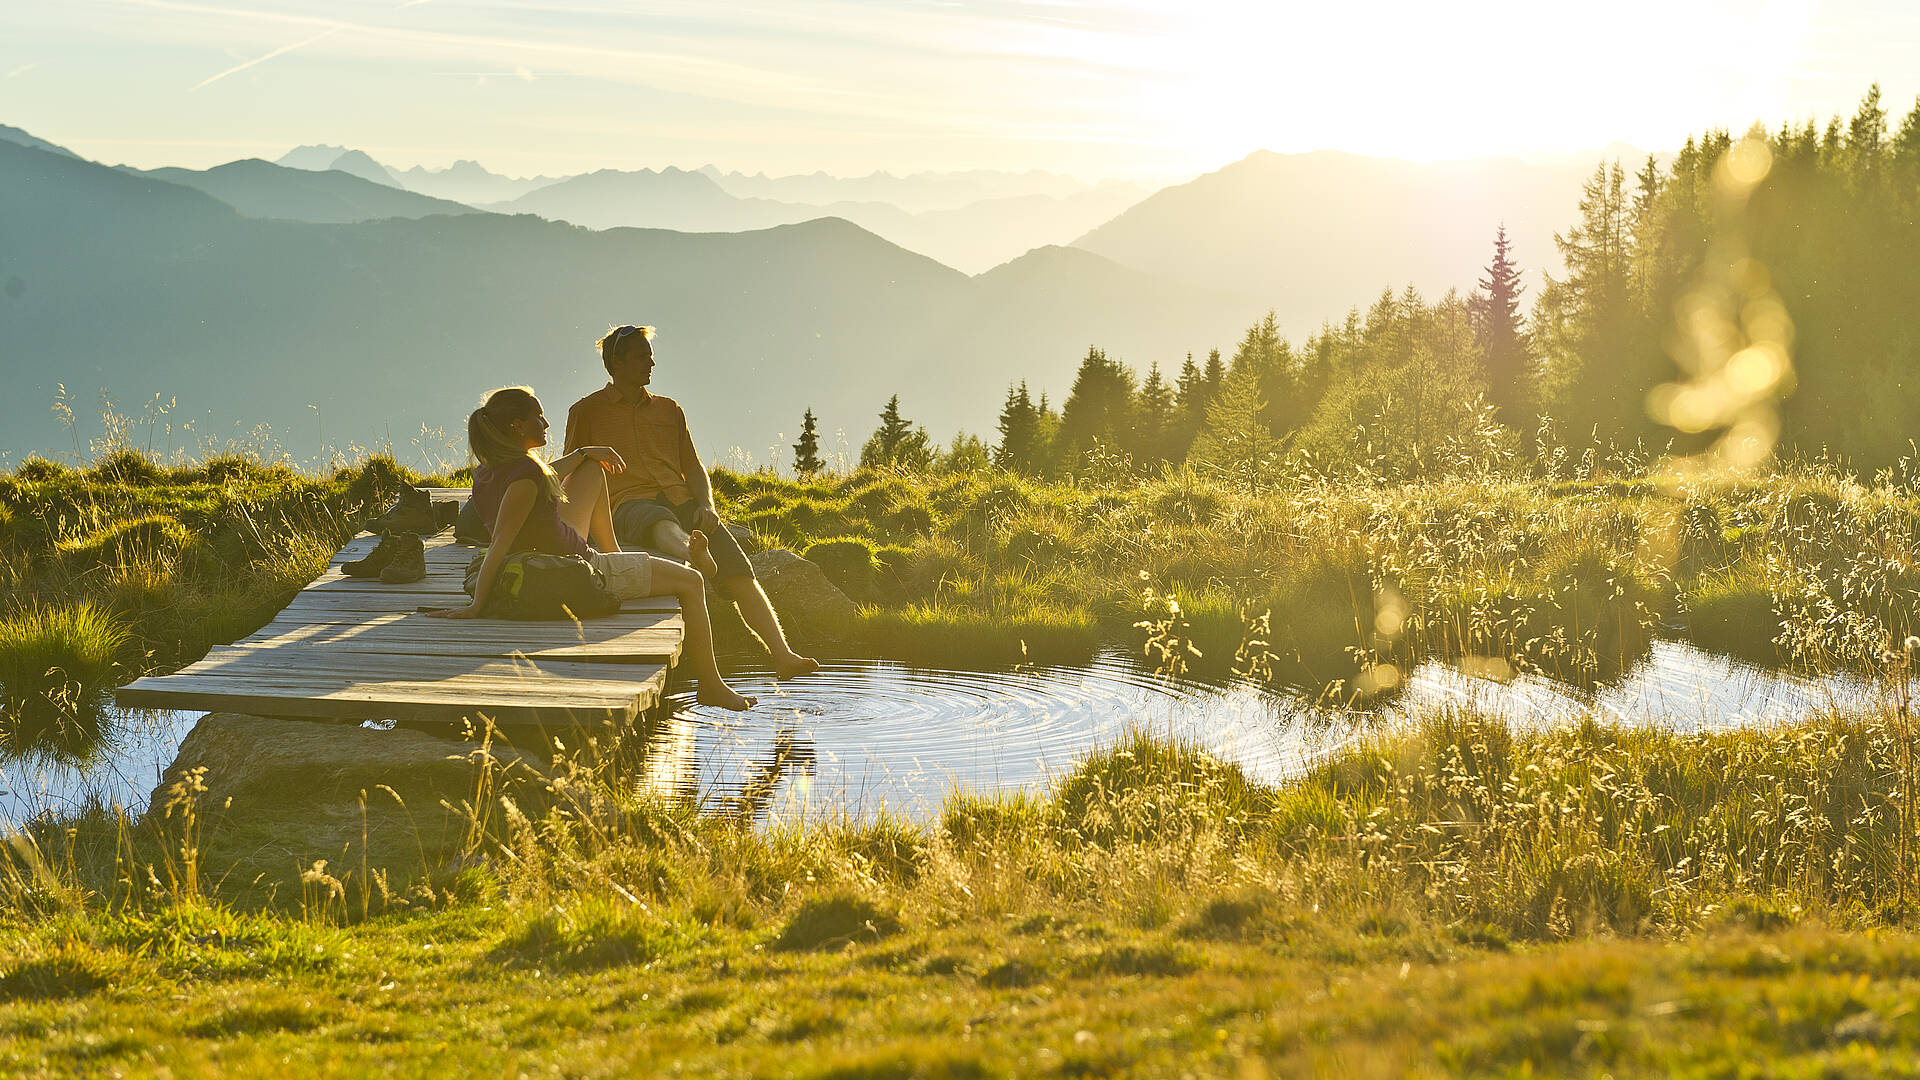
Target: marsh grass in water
x=56 y=664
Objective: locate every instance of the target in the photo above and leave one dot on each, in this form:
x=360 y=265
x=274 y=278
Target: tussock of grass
x=55 y=666
x=946 y=636
x=835 y=921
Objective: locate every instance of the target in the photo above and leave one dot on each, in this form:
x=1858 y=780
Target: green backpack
x=536 y=585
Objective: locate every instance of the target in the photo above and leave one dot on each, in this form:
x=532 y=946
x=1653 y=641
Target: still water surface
x=865 y=737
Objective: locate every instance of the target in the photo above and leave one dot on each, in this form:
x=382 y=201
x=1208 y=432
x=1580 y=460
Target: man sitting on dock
x=664 y=494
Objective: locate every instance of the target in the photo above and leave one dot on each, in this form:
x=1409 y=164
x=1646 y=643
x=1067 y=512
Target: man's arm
x=698 y=482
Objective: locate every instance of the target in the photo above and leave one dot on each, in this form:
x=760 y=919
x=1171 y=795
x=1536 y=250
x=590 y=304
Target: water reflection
x=866 y=737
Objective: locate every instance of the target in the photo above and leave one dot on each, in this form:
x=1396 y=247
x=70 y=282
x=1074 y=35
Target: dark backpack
x=536 y=585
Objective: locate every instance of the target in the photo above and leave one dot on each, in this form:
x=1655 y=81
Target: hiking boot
x=376 y=560
x=445 y=513
x=409 y=560
x=412 y=512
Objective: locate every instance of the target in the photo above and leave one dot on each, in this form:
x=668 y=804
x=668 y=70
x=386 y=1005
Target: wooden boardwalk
x=356 y=648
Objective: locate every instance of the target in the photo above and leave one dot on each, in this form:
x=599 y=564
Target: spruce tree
x=1495 y=312
x=806 y=452
x=1020 y=448
x=1154 y=421
x=1096 y=411
x=896 y=441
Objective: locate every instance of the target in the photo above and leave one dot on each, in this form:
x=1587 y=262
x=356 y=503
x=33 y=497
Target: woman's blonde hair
x=490 y=434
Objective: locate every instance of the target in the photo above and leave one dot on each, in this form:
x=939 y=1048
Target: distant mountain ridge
x=972 y=238
x=383 y=330
x=1320 y=233
x=20 y=138
x=262 y=189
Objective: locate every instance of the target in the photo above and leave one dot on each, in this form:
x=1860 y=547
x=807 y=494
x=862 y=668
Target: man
x=664 y=494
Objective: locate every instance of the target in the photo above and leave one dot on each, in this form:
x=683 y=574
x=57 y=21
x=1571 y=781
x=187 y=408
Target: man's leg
x=757 y=612
x=668 y=538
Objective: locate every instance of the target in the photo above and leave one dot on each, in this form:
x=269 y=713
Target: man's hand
x=607 y=456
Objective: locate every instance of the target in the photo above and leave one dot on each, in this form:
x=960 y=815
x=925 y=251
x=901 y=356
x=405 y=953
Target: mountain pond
x=866 y=737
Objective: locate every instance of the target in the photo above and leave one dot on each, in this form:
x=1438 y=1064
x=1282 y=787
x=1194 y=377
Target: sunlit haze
x=1146 y=89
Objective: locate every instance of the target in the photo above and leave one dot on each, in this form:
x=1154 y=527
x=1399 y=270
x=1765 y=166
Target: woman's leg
x=685 y=583
x=587 y=510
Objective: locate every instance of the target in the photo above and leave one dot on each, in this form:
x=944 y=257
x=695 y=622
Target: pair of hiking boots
x=400 y=557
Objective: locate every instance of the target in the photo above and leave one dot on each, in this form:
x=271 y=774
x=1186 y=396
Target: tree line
x=1765 y=285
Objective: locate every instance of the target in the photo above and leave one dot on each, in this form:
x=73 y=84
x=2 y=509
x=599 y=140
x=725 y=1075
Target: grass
x=1457 y=898
x=55 y=664
x=1454 y=897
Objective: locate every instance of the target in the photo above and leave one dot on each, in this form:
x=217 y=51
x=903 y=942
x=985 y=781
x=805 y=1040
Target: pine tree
x=1234 y=441
x=896 y=441
x=1020 y=449
x=1594 y=382
x=1154 y=421
x=1495 y=313
x=1096 y=411
x=806 y=452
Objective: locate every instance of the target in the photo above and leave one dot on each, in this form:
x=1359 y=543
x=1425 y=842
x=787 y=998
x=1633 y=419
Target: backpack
x=536 y=585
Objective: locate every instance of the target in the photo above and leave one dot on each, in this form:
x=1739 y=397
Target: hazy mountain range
x=371 y=330
x=310 y=299
x=1316 y=234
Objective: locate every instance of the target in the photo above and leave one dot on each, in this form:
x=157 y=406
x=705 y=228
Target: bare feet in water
x=794 y=665
x=723 y=697
x=697 y=555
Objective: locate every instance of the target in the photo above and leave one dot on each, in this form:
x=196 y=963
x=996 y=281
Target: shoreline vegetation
x=1453 y=896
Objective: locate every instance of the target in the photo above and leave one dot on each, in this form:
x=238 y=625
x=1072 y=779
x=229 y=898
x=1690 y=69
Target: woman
x=534 y=506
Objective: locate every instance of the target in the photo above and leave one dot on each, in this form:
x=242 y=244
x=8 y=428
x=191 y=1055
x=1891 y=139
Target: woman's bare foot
x=697 y=555
x=722 y=696
x=794 y=665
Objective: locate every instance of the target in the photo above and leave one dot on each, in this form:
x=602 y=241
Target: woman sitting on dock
x=534 y=506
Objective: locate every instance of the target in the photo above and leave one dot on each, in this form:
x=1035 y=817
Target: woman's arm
x=515 y=505
x=564 y=465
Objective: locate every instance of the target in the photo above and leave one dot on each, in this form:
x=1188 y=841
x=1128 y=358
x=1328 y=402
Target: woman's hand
x=607 y=456
x=471 y=611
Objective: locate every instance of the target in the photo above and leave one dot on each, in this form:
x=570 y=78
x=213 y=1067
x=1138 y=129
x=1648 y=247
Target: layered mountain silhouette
x=971 y=237
x=469 y=182
x=914 y=193
x=1316 y=234
x=20 y=138
x=261 y=189
x=376 y=330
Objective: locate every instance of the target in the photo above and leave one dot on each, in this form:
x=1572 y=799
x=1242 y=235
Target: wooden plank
x=606 y=629
x=541 y=676
x=662 y=641
x=307 y=696
x=353 y=647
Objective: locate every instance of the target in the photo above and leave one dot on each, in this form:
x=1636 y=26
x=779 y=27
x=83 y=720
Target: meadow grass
x=1453 y=897
x=1457 y=897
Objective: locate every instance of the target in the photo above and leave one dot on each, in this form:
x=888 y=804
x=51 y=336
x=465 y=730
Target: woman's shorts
x=629 y=574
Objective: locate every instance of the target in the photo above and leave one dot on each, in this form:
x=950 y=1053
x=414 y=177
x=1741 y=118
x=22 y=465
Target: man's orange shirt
x=650 y=432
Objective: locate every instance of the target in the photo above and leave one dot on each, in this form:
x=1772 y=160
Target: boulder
x=811 y=608
x=280 y=794
x=743 y=536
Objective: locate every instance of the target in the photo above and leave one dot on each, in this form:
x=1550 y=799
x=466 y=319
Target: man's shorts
x=634 y=519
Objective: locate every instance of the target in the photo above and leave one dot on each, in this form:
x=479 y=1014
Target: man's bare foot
x=794 y=665
x=722 y=696
x=697 y=555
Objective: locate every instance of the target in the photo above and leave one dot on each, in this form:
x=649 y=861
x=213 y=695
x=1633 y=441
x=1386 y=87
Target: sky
x=1133 y=89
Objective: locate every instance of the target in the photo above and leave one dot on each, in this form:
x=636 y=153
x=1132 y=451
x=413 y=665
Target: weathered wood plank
x=559 y=677
x=303 y=696
x=353 y=647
